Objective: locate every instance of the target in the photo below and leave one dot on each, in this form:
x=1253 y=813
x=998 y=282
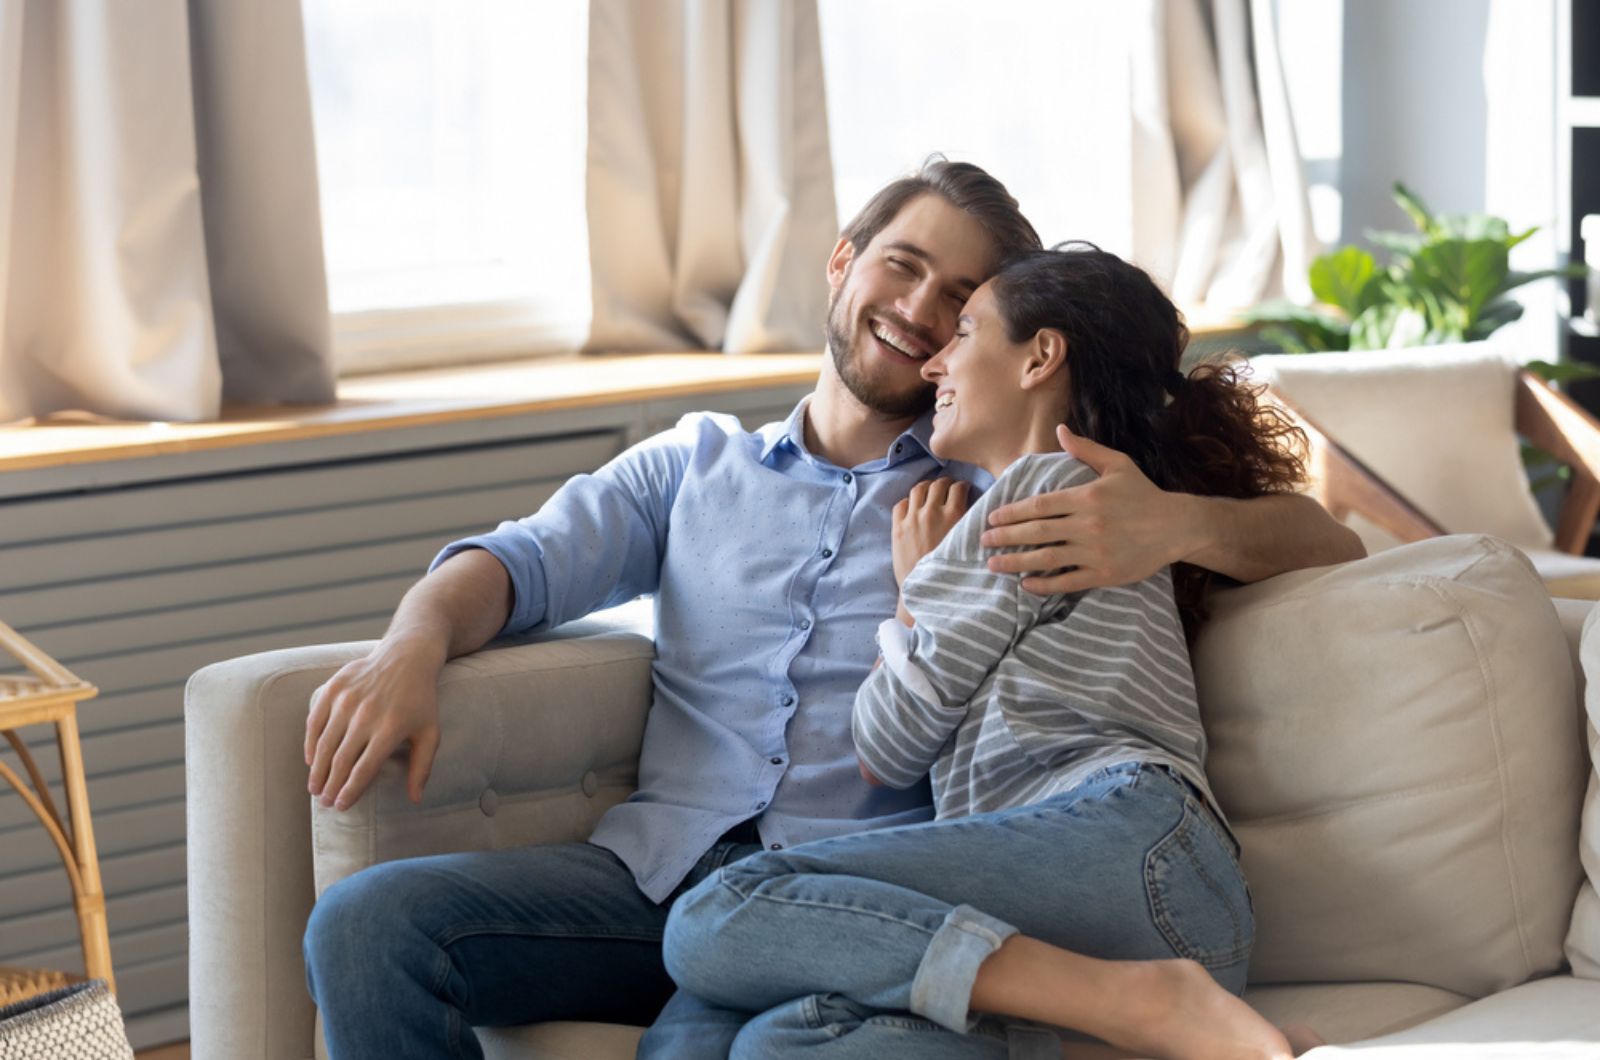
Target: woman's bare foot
x=1184 y=1014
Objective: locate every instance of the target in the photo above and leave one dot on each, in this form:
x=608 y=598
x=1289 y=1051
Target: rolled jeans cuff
x=942 y=989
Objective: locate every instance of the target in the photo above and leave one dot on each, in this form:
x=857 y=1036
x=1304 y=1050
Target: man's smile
x=899 y=341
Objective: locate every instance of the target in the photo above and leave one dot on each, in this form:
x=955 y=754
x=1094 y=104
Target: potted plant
x=1448 y=281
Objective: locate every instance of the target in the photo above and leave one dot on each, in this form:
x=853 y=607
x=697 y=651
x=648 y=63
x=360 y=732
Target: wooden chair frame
x=1544 y=416
x=51 y=695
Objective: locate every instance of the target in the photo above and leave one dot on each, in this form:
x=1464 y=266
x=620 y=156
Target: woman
x=1079 y=873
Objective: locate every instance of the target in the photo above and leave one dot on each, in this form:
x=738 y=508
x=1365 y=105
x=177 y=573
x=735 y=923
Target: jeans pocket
x=1197 y=893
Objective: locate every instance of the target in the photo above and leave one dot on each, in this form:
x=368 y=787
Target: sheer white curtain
x=1220 y=200
x=160 y=240
x=709 y=187
x=1158 y=129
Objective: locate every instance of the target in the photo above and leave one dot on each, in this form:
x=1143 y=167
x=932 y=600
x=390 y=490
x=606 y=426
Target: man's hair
x=964 y=186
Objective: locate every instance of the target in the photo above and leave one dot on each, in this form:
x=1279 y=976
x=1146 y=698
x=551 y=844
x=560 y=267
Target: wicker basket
x=79 y=1021
x=19 y=984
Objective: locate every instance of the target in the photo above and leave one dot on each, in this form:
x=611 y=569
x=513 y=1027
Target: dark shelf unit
x=1579 y=22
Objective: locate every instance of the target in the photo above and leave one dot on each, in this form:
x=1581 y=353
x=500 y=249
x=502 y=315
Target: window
x=450 y=151
x=1035 y=91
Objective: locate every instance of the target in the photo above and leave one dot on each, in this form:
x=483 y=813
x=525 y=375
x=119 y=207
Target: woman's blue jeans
x=868 y=945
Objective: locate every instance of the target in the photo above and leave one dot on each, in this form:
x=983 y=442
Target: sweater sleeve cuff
x=895 y=640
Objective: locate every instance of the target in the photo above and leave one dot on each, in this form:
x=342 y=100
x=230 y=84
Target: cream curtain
x=709 y=183
x=1220 y=207
x=160 y=238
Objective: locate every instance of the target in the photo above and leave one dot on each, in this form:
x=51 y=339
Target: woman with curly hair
x=1080 y=874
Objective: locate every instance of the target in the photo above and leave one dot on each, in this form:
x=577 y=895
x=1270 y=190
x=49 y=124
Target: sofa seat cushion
x=1349 y=1012
x=1574 y=577
x=565 y=1040
x=1339 y=1012
x=1396 y=742
x=1548 y=1019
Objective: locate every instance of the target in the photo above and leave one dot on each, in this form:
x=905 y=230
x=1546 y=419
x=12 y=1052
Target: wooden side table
x=51 y=694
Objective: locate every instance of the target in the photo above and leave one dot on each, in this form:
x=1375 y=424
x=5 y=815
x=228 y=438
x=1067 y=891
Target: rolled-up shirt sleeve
x=597 y=542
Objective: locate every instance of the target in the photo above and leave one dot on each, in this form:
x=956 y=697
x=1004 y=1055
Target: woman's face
x=980 y=408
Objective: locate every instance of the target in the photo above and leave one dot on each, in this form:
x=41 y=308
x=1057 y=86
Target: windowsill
x=442 y=395
x=409 y=399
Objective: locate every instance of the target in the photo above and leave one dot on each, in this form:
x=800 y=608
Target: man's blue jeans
x=404 y=958
x=867 y=945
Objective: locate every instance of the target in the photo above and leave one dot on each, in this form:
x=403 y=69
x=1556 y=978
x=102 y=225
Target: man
x=770 y=560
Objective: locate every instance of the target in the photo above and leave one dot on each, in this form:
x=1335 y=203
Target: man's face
x=895 y=303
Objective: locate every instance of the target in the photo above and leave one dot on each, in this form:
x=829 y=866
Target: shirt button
x=847 y=476
x=805 y=623
x=827 y=553
x=761 y=805
x=777 y=846
x=777 y=761
x=788 y=701
x=898 y=446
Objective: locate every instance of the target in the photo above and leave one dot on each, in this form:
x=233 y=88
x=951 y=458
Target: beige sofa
x=1400 y=743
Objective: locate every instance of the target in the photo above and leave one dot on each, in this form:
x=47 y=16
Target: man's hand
x=1117 y=530
x=373 y=705
x=367 y=710
x=922 y=520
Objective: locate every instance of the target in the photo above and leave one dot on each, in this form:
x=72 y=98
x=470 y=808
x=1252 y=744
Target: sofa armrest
x=537 y=740
x=531 y=720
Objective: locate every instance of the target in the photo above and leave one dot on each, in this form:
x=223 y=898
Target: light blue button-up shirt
x=771 y=570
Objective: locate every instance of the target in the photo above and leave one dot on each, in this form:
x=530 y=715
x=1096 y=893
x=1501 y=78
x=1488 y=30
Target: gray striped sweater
x=1009 y=697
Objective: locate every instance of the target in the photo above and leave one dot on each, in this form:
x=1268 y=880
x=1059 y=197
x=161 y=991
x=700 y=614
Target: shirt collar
x=791 y=431
x=913 y=441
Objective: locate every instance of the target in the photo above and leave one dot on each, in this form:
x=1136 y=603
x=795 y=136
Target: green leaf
x=1516 y=278
x=1494 y=316
x=1297 y=329
x=1521 y=236
x=1370 y=330
x=1387 y=326
x=1285 y=340
x=1467 y=272
x=1340 y=277
x=1403 y=244
x=1412 y=204
x=1474 y=226
x=1565 y=372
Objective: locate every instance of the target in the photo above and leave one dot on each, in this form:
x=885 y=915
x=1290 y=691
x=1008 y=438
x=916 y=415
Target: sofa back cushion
x=1395 y=741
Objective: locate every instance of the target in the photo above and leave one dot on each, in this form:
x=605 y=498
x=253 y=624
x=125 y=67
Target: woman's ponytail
x=1220 y=438
x=1208 y=432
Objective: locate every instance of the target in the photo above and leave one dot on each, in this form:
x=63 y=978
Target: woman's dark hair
x=1206 y=432
x=964 y=186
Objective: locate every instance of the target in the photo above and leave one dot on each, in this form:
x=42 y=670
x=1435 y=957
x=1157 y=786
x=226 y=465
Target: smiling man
x=769 y=557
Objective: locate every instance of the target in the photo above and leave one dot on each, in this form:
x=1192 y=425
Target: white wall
x=1457 y=99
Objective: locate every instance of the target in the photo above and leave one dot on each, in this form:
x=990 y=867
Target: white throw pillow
x=1395 y=741
x=1583 y=940
x=1437 y=422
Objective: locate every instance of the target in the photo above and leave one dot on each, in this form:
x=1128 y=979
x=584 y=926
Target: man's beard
x=873 y=393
